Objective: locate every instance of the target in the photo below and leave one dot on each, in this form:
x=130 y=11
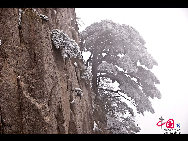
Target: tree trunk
x=94 y=73
x=98 y=113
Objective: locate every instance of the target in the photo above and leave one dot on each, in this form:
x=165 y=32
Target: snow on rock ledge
x=68 y=47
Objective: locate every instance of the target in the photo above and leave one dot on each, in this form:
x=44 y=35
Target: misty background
x=165 y=31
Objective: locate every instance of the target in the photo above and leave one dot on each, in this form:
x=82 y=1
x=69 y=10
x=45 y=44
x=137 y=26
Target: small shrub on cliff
x=68 y=47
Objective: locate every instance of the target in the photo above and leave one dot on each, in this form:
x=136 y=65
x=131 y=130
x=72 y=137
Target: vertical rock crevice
x=1 y=122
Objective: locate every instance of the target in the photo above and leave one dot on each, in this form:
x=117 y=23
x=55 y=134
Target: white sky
x=165 y=31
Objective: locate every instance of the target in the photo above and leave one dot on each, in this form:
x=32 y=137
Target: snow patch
x=77 y=89
x=86 y=55
x=103 y=54
x=75 y=64
x=79 y=92
x=20 y=11
x=134 y=79
x=120 y=69
x=72 y=102
x=55 y=11
x=95 y=126
x=120 y=55
x=43 y=17
x=139 y=64
x=34 y=9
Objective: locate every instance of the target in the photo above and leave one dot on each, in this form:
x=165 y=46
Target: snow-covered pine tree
x=118 y=55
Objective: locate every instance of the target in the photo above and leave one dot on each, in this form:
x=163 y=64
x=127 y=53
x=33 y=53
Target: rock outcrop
x=36 y=83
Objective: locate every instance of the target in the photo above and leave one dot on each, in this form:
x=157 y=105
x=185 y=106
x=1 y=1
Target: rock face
x=36 y=83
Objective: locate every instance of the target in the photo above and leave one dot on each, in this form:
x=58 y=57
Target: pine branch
x=110 y=90
x=117 y=92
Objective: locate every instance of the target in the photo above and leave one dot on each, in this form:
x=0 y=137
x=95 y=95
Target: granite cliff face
x=36 y=83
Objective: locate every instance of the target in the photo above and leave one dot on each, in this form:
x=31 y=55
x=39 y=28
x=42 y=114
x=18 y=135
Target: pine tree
x=118 y=55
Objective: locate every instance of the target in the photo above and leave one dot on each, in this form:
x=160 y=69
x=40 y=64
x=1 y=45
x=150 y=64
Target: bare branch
x=90 y=57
